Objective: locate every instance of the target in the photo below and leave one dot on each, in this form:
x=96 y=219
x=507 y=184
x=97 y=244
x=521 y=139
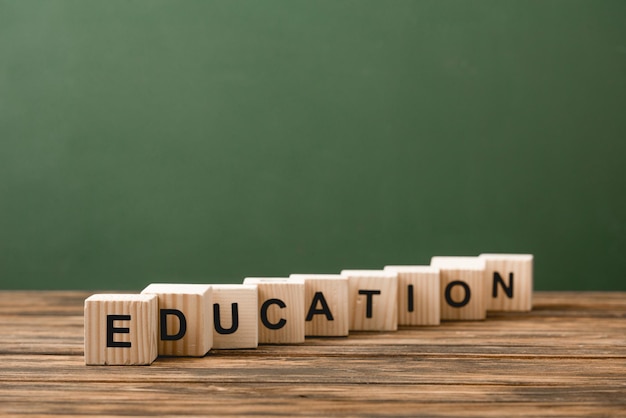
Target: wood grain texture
x=373 y=297
x=419 y=301
x=462 y=290
x=242 y=300
x=194 y=303
x=120 y=329
x=567 y=357
x=325 y=299
x=281 y=313
x=516 y=274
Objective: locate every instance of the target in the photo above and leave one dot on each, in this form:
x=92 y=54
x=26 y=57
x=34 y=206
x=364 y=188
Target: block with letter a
x=325 y=304
x=418 y=295
x=120 y=329
x=281 y=313
x=235 y=316
x=185 y=318
x=373 y=296
x=509 y=282
x=462 y=287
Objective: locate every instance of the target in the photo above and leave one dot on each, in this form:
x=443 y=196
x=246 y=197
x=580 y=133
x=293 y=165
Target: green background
x=204 y=141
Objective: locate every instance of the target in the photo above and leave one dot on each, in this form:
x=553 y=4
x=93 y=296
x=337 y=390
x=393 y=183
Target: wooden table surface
x=565 y=358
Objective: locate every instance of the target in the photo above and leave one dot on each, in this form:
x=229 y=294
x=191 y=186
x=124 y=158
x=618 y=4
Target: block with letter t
x=120 y=329
x=325 y=304
x=185 y=318
x=281 y=309
x=373 y=299
x=509 y=282
x=462 y=287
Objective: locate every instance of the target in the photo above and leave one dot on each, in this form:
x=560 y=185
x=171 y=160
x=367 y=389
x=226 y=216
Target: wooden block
x=509 y=282
x=418 y=295
x=462 y=287
x=235 y=316
x=326 y=311
x=281 y=316
x=185 y=318
x=373 y=298
x=120 y=329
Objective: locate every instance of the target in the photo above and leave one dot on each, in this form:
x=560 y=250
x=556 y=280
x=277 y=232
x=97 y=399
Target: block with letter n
x=509 y=279
x=120 y=329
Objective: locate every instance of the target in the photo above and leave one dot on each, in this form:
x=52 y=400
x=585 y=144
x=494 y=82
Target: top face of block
x=271 y=280
x=369 y=273
x=458 y=263
x=413 y=269
x=177 y=289
x=512 y=257
x=226 y=287
x=119 y=297
x=317 y=276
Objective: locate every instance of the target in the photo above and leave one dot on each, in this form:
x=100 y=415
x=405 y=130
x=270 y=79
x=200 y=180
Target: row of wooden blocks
x=191 y=319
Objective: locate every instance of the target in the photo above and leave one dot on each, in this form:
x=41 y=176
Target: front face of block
x=281 y=312
x=326 y=304
x=185 y=318
x=120 y=329
x=462 y=287
x=509 y=282
x=235 y=316
x=418 y=295
x=373 y=299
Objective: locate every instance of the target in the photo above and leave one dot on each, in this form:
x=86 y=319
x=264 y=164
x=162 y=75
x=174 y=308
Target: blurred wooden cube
x=281 y=309
x=326 y=304
x=373 y=298
x=235 y=316
x=462 y=287
x=121 y=329
x=509 y=282
x=418 y=295
x=185 y=318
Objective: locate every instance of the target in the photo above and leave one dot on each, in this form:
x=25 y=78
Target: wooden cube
x=281 y=312
x=235 y=316
x=120 y=329
x=418 y=295
x=373 y=298
x=509 y=282
x=185 y=318
x=326 y=304
x=462 y=287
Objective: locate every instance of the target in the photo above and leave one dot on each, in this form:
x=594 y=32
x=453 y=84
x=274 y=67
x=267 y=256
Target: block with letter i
x=326 y=304
x=418 y=295
x=235 y=316
x=185 y=318
x=509 y=282
x=281 y=312
x=462 y=287
x=120 y=329
x=373 y=299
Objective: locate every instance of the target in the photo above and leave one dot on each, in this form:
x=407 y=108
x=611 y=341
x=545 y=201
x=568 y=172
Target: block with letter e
x=418 y=295
x=281 y=312
x=120 y=329
x=373 y=298
x=462 y=287
x=325 y=304
x=235 y=316
x=185 y=318
x=509 y=282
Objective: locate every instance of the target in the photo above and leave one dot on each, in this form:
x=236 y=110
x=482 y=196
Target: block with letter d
x=281 y=312
x=185 y=318
x=326 y=304
x=120 y=329
x=373 y=298
x=462 y=287
x=509 y=282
